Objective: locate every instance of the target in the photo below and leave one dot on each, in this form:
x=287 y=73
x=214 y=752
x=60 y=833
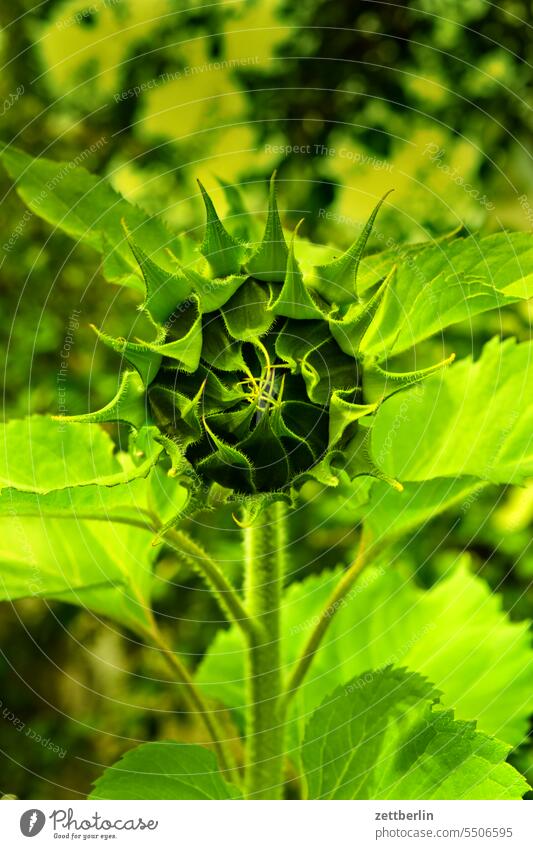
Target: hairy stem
x=264 y=554
x=317 y=635
x=194 y=697
x=226 y=595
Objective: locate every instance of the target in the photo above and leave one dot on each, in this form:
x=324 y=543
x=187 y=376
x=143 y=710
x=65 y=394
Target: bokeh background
x=432 y=98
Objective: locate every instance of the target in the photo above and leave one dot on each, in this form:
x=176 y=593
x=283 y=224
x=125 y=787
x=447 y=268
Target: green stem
x=317 y=635
x=264 y=555
x=194 y=697
x=228 y=598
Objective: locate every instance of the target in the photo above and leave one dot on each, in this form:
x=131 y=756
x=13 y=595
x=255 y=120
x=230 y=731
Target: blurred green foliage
x=430 y=98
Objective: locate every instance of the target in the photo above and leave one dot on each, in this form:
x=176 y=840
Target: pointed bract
x=223 y=253
x=337 y=281
x=269 y=263
x=143 y=357
x=379 y=384
x=295 y=300
x=129 y=405
x=349 y=330
x=164 y=291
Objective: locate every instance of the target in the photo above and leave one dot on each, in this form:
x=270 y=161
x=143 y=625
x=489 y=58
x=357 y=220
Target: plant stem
x=193 y=696
x=225 y=593
x=264 y=543
x=317 y=635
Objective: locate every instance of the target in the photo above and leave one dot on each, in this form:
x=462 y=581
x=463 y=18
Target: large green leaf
x=389 y=513
x=475 y=418
x=455 y=633
x=447 y=283
x=382 y=736
x=89 y=210
x=106 y=567
x=164 y=770
x=40 y=455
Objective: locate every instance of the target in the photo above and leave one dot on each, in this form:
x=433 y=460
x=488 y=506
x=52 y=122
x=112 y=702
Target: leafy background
x=432 y=99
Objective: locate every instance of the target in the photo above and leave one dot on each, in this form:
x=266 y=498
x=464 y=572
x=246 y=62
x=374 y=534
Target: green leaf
x=437 y=287
x=39 y=455
x=473 y=419
x=223 y=253
x=269 y=263
x=389 y=513
x=104 y=566
x=382 y=736
x=164 y=770
x=89 y=210
x=337 y=281
x=455 y=633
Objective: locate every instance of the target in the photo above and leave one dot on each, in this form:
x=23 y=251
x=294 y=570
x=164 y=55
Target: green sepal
x=337 y=281
x=223 y=253
x=269 y=263
x=267 y=454
x=326 y=369
x=251 y=506
x=218 y=349
x=343 y=412
x=182 y=472
x=322 y=472
x=357 y=459
x=236 y=209
x=297 y=339
x=212 y=294
x=349 y=330
x=304 y=423
x=164 y=291
x=128 y=405
x=234 y=424
x=186 y=346
x=295 y=300
x=245 y=315
x=227 y=466
x=143 y=356
x=216 y=293
x=174 y=410
x=379 y=384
